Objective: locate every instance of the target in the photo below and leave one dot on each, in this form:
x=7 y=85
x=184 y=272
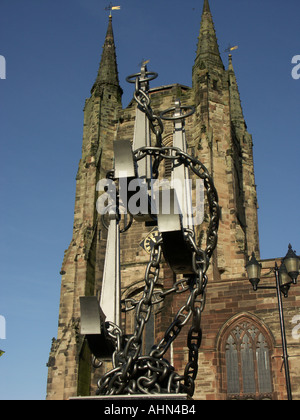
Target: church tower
x=234 y=326
x=69 y=362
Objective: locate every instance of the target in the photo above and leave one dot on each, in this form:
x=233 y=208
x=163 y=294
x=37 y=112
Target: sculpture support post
x=110 y=301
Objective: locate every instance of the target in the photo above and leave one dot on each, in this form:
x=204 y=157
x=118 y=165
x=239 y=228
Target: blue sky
x=52 y=50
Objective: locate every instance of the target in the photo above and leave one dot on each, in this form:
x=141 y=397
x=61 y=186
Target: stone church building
x=241 y=352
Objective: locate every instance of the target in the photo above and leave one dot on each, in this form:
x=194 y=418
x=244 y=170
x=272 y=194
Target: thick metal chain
x=173 y=153
x=133 y=373
x=155 y=122
x=152 y=374
x=124 y=360
x=144 y=102
x=192 y=309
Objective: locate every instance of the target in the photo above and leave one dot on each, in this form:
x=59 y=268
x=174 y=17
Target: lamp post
x=285 y=276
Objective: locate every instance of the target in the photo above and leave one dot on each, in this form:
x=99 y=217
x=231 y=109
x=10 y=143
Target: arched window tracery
x=246 y=347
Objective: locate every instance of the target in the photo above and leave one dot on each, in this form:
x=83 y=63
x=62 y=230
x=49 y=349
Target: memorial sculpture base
x=136 y=397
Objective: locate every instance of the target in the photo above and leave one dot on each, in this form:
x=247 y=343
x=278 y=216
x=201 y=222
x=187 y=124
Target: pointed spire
x=108 y=69
x=206 y=7
x=208 y=53
x=236 y=110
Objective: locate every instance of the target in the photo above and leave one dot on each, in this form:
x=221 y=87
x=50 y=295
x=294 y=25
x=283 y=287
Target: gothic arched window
x=246 y=349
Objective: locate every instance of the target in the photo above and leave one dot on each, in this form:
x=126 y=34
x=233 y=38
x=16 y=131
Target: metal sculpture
x=139 y=161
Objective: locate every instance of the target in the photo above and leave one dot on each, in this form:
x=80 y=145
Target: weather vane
x=111 y=7
x=144 y=62
x=230 y=48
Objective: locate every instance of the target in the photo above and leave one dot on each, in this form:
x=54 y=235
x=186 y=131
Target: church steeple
x=208 y=54
x=236 y=111
x=108 y=69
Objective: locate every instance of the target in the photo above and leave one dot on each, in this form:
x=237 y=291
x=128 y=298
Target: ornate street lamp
x=286 y=275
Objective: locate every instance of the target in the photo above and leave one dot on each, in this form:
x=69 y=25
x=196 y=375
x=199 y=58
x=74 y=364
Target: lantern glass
x=253 y=268
x=284 y=280
x=292 y=264
x=284 y=277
